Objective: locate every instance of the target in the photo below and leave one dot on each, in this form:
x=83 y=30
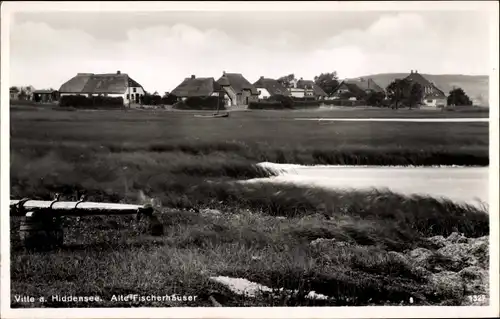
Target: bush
x=340 y=102
x=149 y=99
x=308 y=98
x=375 y=98
x=280 y=102
x=169 y=99
x=81 y=101
x=286 y=101
x=201 y=103
x=262 y=105
x=306 y=104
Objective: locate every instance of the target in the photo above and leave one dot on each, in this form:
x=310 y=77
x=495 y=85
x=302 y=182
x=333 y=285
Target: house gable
x=367 y=85
x=272 y=86
x=310 y=85
x=237 y=82
x=431 y=91
x=353 y=88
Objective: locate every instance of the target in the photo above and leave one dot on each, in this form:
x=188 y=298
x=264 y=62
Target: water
x=460 y=184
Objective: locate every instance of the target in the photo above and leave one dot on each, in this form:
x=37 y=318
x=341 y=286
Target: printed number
x=476 y=298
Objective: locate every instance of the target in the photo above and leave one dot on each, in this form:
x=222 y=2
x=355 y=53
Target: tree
x=327 y=81
x=375 y=98
x=416 y=94
x=286 y=80
x=22 y=95
x=457 y=96
x=398 y=92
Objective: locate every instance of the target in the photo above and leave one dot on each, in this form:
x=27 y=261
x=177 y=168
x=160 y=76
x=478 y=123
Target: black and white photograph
x=315 y=157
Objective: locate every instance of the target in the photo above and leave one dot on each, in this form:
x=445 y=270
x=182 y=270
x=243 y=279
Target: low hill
x=476 y=86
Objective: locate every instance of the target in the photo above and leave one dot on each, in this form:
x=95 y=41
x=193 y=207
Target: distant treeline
x=149 y=99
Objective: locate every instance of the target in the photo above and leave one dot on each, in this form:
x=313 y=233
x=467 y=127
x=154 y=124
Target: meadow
x=263 y=233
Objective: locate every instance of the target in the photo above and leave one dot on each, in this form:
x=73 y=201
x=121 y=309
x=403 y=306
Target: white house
x=111 y=84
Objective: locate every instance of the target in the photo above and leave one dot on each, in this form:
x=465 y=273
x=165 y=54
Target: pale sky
x=160 y=49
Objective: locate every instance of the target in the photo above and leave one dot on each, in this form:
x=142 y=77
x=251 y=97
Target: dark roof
x=272 y=86
x=98 y=83
x=353 y=88
x=237 y=82
x=366 y=84
x=14 y=90
x=196 y=87
x=415 y=77
x=308 y=84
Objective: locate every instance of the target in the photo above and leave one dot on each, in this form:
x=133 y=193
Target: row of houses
x=29 y=93
x=432 y=95
x=237 y=90
x=234 y=88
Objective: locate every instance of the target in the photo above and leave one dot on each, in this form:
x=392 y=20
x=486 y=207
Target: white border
x=301 y=312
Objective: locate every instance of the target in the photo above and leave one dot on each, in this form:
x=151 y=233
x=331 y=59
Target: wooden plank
x=82 y=208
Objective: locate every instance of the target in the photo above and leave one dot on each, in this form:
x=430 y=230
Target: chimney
x=261 y=76
x=118 y=72
x=193 y=77
x=301 y=78
x=411 y=72
x=223 y=73
x=416 y=71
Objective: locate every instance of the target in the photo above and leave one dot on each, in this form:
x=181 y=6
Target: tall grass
x=189 y=164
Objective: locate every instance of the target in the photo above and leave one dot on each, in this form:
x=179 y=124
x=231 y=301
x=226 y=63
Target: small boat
x=213 y=115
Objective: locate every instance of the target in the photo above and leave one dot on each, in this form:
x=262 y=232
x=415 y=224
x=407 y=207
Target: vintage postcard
x=299 y=159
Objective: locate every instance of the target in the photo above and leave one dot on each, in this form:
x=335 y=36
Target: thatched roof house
x=200 y=87
x=238 y=89
x=349 y=89
x=110 y=83
x=367 y=85
x=270 y=87
x=310 y=85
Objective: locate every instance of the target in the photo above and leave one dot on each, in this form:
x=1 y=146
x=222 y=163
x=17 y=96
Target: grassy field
x=259 y=232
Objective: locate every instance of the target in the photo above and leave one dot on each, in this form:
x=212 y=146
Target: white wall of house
x=297 y=92
x=309 y=93
x=263 y=93
x=131 y=94
x=231 y=94
x=435 y=102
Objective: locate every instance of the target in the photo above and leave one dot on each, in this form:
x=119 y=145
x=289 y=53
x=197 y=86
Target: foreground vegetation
x=373 y=247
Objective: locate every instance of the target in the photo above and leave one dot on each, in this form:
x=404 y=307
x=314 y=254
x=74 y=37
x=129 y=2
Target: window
x=430 y=101
x=128 y=96
x=134 y=90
